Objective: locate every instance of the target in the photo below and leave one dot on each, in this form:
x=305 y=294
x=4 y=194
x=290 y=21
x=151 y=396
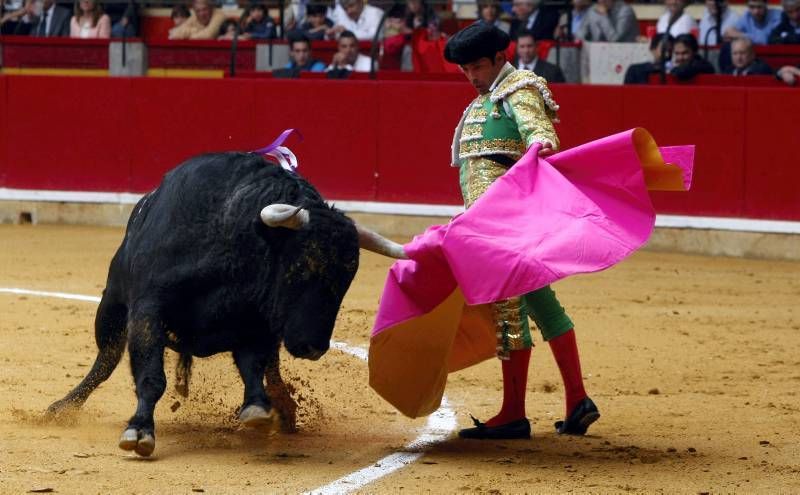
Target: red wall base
x=379 y=140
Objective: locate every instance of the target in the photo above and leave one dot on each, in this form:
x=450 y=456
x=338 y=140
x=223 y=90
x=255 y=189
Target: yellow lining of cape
x=658 y=175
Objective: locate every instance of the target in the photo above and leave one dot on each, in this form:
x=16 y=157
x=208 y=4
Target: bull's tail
x=183 y=372
x=110 y=333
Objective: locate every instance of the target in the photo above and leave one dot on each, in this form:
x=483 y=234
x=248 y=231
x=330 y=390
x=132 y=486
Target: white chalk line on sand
x=59 y=295
x=439 y=426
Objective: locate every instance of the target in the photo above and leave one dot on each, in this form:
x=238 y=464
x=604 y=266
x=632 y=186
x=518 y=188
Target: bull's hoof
x=141 y=442
x=254 y=416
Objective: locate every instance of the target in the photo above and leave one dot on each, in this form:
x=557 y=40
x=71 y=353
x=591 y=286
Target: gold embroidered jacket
x=518 y=111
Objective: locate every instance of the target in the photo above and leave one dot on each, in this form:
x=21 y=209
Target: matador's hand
x=546 y=149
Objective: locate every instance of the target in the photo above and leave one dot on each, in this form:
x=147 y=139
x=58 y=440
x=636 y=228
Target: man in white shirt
x=682 y=23
x=348 y=58
x=357 y=17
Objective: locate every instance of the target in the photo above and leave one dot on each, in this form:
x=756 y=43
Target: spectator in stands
x=228 y=30
x=180 y=14
x=7 y=6
x=529 y=16
x=10 y=12
x=789 y=74
x=355 y=16
x=53 y=21
x=686 y=62
x=300 y=55
x=640 y=73
x=124 y=18
x=89 y=21
x=578 y=14
x=744 y=60
x=18 y=17
x=395 y=23
x=527 y=58
x=788 y=31
x=347 y=58
x=316 y=23
x=708 y=24
x=676 y=18
x=420 y=15
x=203 y=24
x=489 y=13
x=256 y=24
x=295 y=13
x=757 y=23
x=404 y=22
x=609 y=20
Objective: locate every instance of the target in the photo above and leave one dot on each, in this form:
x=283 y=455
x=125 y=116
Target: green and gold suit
x=494 y=132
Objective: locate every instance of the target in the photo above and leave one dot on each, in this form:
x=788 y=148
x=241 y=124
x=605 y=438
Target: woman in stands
x=89 y=21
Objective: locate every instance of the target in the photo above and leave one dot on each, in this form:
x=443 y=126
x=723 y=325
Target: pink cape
x=578 y=211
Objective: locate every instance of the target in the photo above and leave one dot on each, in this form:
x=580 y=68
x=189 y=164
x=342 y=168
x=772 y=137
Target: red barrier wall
x=379 y=140
x=173 y=119
x=338 y=120
x=771 y=155
x=715 y=119
x=60 y=53
x=720 y=80
x=68 y=133
x=3 y=130
x=414 y=141
x=199 y=54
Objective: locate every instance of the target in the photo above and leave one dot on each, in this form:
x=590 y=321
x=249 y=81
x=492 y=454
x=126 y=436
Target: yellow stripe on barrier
x=31 y=71
x=195 y=73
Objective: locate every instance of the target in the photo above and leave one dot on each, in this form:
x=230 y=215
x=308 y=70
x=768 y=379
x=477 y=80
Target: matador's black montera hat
x=475 y=41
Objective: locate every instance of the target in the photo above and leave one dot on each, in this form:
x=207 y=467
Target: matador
x=513 y=111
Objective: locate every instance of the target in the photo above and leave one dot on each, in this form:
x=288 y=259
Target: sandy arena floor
x=693 y=361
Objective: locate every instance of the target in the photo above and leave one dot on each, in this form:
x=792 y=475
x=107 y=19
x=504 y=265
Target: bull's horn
x=280 y=215
x=372 y=241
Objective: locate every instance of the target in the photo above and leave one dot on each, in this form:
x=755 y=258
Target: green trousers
x=548 y=314
x=511 y=315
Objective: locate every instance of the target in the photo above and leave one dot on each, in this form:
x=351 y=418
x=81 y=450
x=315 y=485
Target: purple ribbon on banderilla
x=281 y=154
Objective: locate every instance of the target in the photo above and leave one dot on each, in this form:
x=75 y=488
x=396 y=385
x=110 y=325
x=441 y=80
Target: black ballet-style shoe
x=578 y=421
x=519 y=429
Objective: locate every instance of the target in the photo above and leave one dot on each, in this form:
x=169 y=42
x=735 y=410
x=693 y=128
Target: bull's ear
x=372 y=241
x=287 y=216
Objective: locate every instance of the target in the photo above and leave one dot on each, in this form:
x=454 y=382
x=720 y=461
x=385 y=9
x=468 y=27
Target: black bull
x=203 y=269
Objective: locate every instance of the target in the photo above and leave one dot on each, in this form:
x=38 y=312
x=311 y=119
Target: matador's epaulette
x=525 y=79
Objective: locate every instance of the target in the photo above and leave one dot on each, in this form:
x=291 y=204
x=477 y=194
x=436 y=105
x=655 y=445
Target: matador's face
x=483 y=72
